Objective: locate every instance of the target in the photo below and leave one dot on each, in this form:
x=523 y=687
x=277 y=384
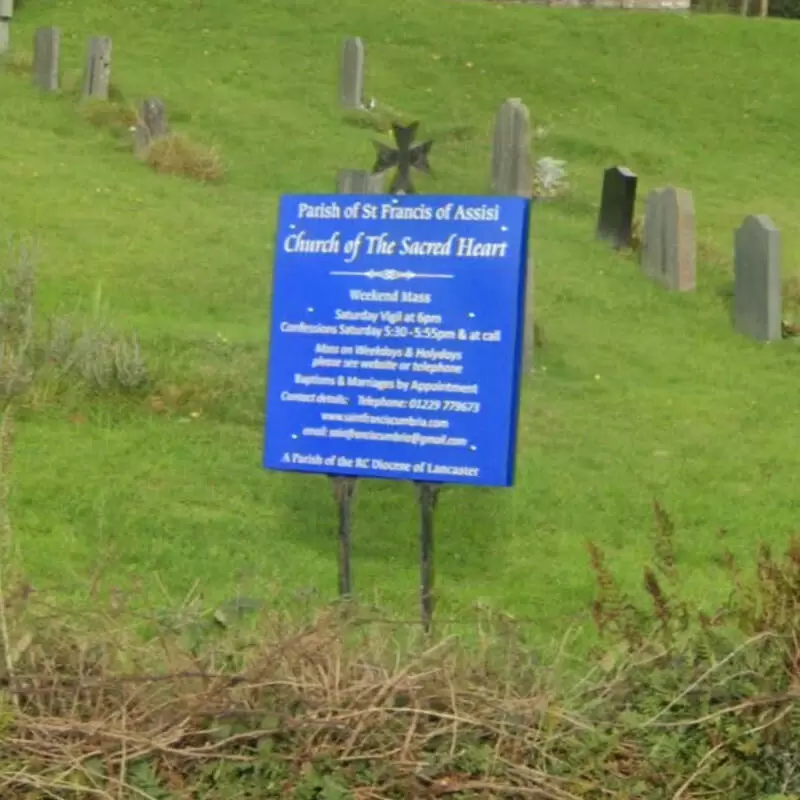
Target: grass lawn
x=638 y=394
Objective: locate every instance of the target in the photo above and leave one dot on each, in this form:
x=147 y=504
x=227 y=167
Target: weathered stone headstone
x=669 y=251
x=512 y=174
x=6 y=12
x=757 y=279
x=617 y=202
x=46 y=57
x=652 y=236
x=511 y=151
x=680 y=248
x=351 y=75
x=97 y=77
x=151 y=125
x=358 y=181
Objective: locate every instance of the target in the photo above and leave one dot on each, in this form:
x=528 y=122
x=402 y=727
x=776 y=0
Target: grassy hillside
x=638 y=394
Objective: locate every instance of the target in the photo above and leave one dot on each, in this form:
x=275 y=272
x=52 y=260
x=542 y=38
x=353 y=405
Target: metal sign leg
x=344 y=489
x=428 y=497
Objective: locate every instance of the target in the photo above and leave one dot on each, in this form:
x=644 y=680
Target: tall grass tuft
x=41 y=356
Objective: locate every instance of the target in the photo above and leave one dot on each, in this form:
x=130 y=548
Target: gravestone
x=358 y=181
x=757 y=279
x=679 y=240
x=97 y=77
x=512 y=172
x=6 y=12
x=668 y=251
x=351 y=75
x=46 y=56
x=617 y=202
x=652 y=244
x=151 y=125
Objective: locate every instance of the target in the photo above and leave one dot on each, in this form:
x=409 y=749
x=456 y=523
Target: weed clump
x=791 y=306
x=17 y=63
x=118 y=117
x=38 y=358
x=177 y=154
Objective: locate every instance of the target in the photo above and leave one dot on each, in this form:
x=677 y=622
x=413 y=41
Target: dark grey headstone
x=351 y=76
x=617 y=202
x=46 y=56
x=97 y=77
x=668 y=250
x=358 y=181
x=512 y=172
x=6 y=12
x=757 y=279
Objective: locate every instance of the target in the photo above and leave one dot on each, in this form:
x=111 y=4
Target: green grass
x=638 y=395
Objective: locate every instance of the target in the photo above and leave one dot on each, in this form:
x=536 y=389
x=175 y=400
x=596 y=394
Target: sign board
x=396 y=337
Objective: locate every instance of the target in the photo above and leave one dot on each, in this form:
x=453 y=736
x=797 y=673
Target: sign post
x=396 y=344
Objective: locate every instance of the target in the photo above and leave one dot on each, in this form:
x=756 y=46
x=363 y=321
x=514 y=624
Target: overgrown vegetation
x=197 y=702
x=40 y=357
x=177 y=154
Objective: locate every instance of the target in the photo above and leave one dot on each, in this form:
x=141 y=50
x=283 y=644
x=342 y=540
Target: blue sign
x=396 y=340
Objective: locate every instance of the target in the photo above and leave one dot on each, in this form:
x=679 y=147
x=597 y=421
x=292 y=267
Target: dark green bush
x=787 y=9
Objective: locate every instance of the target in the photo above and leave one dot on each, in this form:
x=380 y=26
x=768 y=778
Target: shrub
x=177 y=154
x=788 y=9
x=709 y=699
x=118 y=117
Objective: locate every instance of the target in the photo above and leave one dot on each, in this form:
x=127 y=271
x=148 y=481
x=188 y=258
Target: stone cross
x=46 y=56
x=6 y=12
x=404 y=157
x=351 y=74
x=97 y=76
x=757 y=279
x=668 y=251
x=617 y=202
x=512 y=170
